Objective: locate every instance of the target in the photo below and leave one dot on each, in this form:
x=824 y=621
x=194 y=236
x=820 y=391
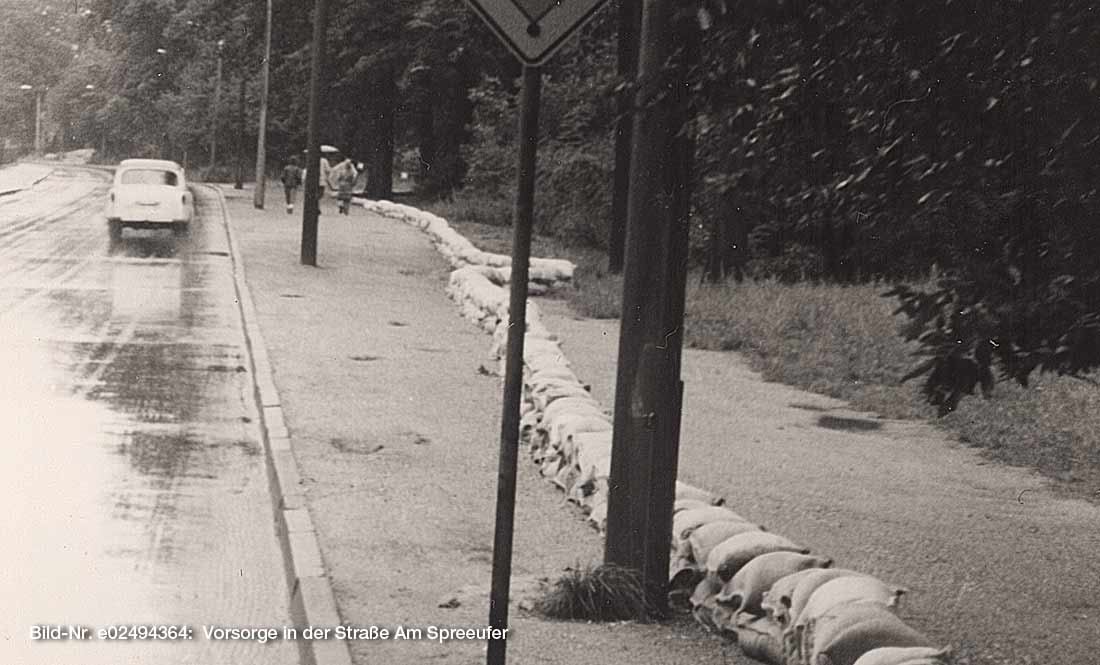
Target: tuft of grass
x=483 y=210
x=1053 y=426
x=598 y=294
x=604 y=592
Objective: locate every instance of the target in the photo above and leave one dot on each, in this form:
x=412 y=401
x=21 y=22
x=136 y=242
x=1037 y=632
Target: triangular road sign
x=534 y=29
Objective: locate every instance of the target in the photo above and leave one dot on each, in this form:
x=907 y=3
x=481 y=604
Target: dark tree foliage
x=863 y=140
x=836 y=140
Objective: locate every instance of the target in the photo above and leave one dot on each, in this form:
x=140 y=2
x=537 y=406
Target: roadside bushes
x=575 y=160
x=575 y=199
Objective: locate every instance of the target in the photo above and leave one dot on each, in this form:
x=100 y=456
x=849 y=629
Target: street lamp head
x=162 y=51
x=221 y=43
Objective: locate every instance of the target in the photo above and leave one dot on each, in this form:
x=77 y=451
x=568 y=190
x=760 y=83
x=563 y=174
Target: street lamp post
x=214 y=110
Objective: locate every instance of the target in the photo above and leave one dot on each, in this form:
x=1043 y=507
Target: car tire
x=181 y=230
x=114 y=230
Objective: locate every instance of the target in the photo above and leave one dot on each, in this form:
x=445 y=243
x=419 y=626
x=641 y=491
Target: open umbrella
x=329 y=149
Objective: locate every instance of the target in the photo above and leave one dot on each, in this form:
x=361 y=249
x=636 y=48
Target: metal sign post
x=513 y=372
x=533 y=29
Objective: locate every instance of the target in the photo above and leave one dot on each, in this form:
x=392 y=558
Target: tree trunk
x=424 y=122
x=378 y=141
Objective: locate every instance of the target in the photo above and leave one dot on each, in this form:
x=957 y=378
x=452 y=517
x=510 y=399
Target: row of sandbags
x=571 y=440
x=783 y=604
x=461 y=252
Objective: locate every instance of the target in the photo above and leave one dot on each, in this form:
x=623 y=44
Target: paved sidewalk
x=396 y=432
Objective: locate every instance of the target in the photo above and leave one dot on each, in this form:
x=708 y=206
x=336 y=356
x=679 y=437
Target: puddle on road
x=355 y=446
x=809 y=407
x=848 y=424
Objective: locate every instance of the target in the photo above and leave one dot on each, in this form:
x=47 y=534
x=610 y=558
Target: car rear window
x=148 y=177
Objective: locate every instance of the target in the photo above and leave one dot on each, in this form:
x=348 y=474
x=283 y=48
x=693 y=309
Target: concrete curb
x=312 y=601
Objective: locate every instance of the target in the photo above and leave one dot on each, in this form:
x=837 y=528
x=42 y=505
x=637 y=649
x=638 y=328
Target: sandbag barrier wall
x=783 y=604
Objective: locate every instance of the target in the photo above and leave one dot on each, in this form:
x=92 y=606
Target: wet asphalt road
x=131 y=469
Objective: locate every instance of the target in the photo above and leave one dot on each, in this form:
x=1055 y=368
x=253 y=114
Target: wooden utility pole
x=311 y=204
x=214 y=108
x=239 y=183
x=37 y=122
x=261 y=135
x=649 y=392
x=630 y=20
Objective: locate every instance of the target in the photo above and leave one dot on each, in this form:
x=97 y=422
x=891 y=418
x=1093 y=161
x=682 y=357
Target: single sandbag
x=761 y=640
x=567 y=425
x=579 y=404
x=904 y=656
x=850 y=589
x=688 y=561
x=745 y=589
x=686 y=521
x=705 y=590
x=776 y=601
x=702 y=599
x=851 y=630
x=682 y=572
x=810 y=583
x=729 y=556
x=836 y=593
x=708 y=536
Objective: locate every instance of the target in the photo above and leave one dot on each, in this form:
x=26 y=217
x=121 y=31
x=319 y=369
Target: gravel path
x=995 y=563
x=397 y=432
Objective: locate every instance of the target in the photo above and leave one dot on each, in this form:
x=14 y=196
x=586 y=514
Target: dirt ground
x=996 y=562
x=397 y=432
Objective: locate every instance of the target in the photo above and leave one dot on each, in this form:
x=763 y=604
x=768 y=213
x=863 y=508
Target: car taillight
x=112 y=197
x=183 y=199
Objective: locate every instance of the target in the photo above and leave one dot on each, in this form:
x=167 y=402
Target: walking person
x=343 y=179
x=292 y=180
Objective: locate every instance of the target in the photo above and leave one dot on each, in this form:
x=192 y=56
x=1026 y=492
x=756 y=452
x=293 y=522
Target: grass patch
x=843 y=341
x=605 y=592
x=837 y=340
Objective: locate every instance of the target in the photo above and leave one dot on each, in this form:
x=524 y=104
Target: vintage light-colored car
x=149 y=193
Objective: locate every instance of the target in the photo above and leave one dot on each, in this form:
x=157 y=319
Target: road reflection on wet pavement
x=131 y=467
